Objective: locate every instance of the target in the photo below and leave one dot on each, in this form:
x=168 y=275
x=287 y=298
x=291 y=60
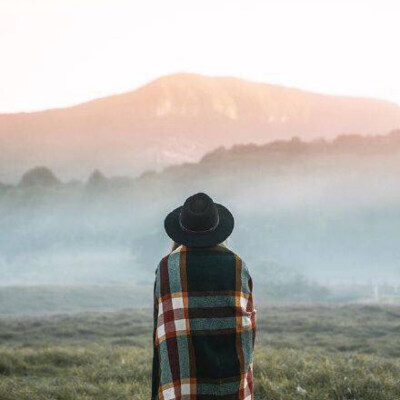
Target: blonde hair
x=175 y=245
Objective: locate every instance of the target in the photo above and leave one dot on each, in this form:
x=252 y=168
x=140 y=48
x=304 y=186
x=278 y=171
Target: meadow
x=302 y=352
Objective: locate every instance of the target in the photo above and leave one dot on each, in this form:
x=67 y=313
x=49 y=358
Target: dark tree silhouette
x=39 y=176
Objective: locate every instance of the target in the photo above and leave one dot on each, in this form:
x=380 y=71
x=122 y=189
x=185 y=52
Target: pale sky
x=56 y=53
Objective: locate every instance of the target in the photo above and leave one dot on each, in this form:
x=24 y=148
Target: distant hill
x=39 y=176
x=178 y=118
x=328 y=209
x=243 y=157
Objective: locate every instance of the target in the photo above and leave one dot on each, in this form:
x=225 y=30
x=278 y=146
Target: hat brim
x=209 y=239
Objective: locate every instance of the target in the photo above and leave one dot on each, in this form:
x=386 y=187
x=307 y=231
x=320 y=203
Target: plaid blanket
x=204 y=326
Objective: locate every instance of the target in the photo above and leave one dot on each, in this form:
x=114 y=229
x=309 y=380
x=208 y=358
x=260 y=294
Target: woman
x=204 y=319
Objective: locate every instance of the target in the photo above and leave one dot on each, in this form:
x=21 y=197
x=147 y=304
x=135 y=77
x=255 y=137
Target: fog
x=310 y=228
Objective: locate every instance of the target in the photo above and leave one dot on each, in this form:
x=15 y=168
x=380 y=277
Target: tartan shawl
x=204 y=326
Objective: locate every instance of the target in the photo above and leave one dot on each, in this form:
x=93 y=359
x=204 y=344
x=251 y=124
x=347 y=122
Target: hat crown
x=199 y=214
x=199 y=203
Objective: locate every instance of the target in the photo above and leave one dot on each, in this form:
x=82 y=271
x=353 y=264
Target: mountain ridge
x=179 y=118
x=245 y=156
x=180 y=75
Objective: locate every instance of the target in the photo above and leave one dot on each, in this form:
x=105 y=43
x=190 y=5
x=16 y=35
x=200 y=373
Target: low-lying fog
x=307 y=225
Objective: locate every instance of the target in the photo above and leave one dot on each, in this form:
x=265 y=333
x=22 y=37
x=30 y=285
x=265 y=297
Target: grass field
x=302 y=352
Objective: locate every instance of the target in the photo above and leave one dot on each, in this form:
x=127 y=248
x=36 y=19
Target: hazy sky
x=60 y=52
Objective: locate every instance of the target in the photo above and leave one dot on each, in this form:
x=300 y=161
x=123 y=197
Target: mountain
x=178 y=118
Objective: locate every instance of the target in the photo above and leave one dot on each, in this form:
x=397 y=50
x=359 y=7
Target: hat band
x=213 y=228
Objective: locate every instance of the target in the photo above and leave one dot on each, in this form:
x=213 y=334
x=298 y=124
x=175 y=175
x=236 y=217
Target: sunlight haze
x=58 y=53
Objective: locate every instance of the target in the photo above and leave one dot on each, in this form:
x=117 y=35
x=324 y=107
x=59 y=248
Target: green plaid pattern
x=204 y=326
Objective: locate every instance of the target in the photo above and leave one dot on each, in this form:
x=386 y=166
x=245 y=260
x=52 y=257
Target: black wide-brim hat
x=199 y=222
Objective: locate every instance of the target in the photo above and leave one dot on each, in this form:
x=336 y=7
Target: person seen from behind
x=204 y=317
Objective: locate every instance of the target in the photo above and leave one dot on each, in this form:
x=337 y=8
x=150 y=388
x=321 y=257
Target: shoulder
x=219 y=252
x=168 y=259
x=238 y=258
x=229 y=254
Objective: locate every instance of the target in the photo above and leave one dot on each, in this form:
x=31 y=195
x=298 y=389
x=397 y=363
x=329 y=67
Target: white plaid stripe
x=168 y=394
x=186 y=386
x=179 y=324
x=243 y=301
x=177 y=302
x=185 y=389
